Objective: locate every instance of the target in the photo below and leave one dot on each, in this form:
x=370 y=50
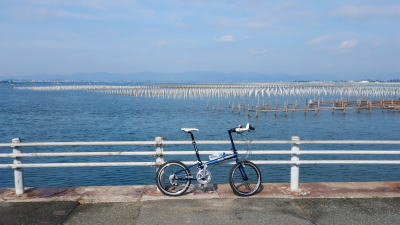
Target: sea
x=83 y=115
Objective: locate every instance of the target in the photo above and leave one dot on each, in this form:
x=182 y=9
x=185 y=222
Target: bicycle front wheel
x=245 y=178
x=173 y=178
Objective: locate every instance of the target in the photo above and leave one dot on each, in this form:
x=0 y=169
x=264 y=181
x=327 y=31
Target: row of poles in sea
x=340 y=89
x=311 y=106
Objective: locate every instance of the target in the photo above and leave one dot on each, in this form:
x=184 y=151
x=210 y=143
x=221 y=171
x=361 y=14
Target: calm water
x=88 y=116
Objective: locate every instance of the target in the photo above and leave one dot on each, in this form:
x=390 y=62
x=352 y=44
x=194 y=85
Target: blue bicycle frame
x=200 y=164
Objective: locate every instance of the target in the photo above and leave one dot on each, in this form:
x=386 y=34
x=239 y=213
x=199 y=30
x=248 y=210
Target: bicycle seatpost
x=195 y=146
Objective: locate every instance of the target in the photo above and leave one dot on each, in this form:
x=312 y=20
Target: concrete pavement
x=315 y=203
x=206 y=211
x=103 y=194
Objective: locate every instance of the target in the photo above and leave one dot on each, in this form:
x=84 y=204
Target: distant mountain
x=195 y=77
x=192 y=77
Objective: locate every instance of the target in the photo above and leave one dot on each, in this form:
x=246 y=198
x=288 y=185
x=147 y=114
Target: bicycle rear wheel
x=173 y=178
x=245 y=178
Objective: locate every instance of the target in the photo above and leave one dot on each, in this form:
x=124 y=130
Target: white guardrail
x=159 y=154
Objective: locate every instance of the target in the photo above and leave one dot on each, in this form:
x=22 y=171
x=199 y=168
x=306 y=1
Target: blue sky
x=330 y=39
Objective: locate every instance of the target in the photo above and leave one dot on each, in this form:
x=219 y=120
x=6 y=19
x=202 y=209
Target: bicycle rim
x=173 y=178
x=245 y=179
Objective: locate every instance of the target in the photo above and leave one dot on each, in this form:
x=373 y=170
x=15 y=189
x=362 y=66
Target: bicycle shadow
x=202 y=188
x=213 y=189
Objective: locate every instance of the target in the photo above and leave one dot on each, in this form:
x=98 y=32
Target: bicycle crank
x=203 y=176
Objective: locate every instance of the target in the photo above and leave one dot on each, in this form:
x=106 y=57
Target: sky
x=328 y=39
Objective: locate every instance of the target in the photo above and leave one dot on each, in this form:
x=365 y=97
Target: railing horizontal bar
x=99 y=164
x=6 y=165
x=191 y=152
x=208 y=152
x=264 y=162
x=349 y=162
x=254 y=161
x=31 y=144
x=206 y=142
x=283 y=152
x=5 y=144
x=286 y=142
x=377 y=142
x=383 y=152
x=260 y=162
x=98 y=143
x=78 y=154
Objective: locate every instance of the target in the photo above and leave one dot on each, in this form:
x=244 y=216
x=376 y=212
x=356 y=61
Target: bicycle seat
x=187 y=130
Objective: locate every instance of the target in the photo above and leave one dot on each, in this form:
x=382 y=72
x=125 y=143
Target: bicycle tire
x=167 y=184
x=253 y=182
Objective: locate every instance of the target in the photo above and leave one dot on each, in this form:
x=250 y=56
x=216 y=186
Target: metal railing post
x=159 y=151
x=294 y=169
x=18 y=172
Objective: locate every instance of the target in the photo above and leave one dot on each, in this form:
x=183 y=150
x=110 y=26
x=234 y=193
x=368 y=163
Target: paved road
x=207 y=211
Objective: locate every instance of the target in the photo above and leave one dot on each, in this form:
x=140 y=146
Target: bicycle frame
x=173 y=178
x=200 y=164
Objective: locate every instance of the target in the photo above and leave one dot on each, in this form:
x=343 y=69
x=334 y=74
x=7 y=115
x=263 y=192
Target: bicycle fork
x=241 y=167
x=242 y=172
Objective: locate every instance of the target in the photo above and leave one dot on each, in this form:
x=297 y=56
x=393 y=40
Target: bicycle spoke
x=172 y=178
x=245 y=179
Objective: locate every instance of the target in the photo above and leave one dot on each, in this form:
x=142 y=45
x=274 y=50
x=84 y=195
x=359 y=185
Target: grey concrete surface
x=134 y=193
x=105 y=213
x=35 y=212
x=228 y=211
x=207 y=211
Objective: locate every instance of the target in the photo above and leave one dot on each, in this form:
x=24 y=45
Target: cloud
x=162 y=43
x=347 y=44
x=256 y=25
x=94 y=4
x=47 y=44
x=89 y=4
x=70 y=14
x=184 y=25
x=226 y=38
x=247 y=37
x=259 y=51
x=101 y=10
x=33 y=12
x=319 y=40
x=246 y=25
x=362 y=11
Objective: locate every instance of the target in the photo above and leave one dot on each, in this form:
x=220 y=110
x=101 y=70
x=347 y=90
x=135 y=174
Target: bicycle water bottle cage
x=187 y=130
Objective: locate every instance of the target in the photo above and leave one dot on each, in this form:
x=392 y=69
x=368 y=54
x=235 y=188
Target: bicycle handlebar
x=240 y=129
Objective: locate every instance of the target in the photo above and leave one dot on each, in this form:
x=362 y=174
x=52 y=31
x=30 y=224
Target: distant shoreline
x=17 y=81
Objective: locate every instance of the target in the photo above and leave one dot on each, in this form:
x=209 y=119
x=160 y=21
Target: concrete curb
x=104 y=194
